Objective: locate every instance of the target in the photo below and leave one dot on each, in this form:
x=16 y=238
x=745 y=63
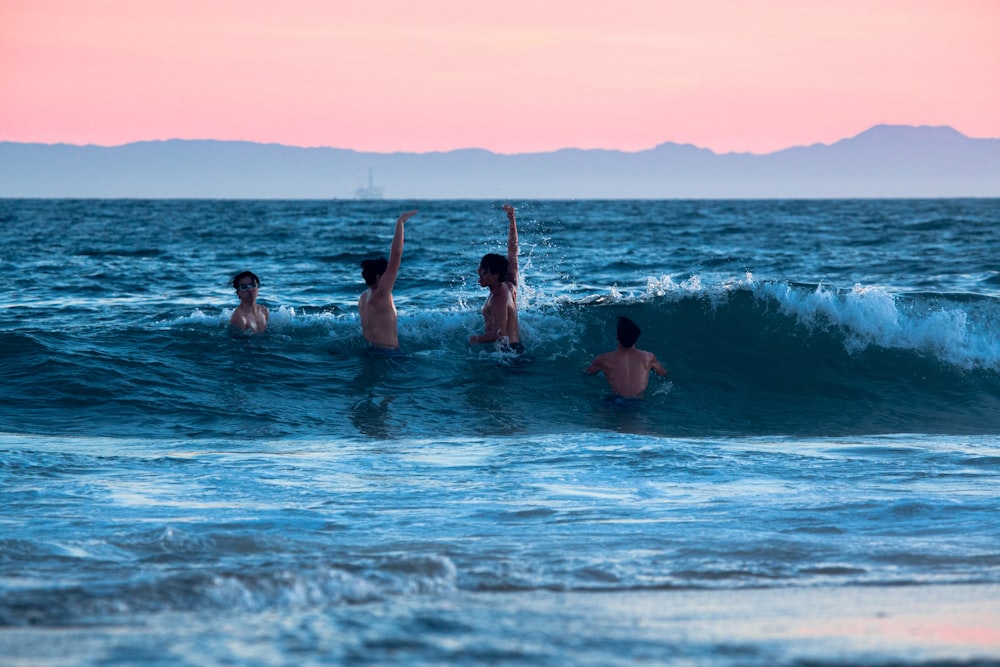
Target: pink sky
x=511 y=76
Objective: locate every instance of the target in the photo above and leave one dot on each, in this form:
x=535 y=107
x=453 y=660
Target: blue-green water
x=175 y=493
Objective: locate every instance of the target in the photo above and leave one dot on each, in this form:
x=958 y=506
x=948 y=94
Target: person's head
x=371 y=269
x=493 y=264
x=245 y=281
x=628 y=332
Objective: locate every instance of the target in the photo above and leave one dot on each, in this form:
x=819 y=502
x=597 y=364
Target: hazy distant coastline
x=884 y=161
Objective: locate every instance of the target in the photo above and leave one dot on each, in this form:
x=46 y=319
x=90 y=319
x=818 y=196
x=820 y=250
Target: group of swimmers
x=626 y=368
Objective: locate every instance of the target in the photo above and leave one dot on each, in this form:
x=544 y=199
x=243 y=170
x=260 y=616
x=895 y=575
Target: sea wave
x=250 y=589
x=956 y=329
x=744 y=355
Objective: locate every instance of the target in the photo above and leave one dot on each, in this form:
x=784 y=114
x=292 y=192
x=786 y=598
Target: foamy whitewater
x=814 y=483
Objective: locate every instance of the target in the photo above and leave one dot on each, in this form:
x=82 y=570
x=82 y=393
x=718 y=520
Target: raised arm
x=511 y=244
x=388 y=278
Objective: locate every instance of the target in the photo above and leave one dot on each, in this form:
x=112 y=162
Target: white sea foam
x=956 y=332
x=873 y=316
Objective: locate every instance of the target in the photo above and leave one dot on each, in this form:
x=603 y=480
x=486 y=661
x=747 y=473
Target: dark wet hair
x=244 y=274
x=628 y=332
x=371 y=269
x=494 y=263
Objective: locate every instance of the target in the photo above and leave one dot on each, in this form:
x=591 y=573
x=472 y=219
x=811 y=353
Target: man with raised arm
x=499 y=275
x=627 y=368
x=375 y=305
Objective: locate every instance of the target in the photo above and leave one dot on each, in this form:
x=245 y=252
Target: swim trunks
x=376 y=351
x=623 y=402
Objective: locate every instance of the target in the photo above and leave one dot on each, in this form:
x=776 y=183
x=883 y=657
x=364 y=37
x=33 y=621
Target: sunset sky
x=512 y=76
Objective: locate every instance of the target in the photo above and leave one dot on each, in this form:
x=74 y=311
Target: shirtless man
x=375 y=305
x=499 y=274
x=626 y=368
x=249 y=315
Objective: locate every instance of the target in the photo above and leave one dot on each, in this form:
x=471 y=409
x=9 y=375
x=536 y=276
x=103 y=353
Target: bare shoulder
x=654 y=364
x=373 y=296
x=511 y=290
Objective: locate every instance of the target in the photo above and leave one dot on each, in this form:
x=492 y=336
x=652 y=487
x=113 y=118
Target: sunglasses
x=243 y=287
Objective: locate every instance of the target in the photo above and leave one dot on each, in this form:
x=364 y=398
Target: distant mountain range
x=884 y=161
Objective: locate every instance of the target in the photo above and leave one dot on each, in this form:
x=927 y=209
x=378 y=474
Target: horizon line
x=487 y=150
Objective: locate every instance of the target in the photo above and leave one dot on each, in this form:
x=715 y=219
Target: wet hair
x=628 y=332
x=235 y=282
x=494 y=263
x=371 y=269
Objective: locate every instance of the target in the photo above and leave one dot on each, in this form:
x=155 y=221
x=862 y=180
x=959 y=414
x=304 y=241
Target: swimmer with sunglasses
x=249 y=315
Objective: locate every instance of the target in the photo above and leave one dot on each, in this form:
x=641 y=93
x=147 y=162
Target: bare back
x=378 y=317
x=627 y=370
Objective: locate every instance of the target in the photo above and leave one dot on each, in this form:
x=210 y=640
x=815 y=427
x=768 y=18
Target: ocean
x=816 y=482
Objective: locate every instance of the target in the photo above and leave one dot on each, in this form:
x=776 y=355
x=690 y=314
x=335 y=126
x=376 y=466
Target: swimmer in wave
x=249 y=315
x=499 y=275
x=375 y=306
x=627 y=368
